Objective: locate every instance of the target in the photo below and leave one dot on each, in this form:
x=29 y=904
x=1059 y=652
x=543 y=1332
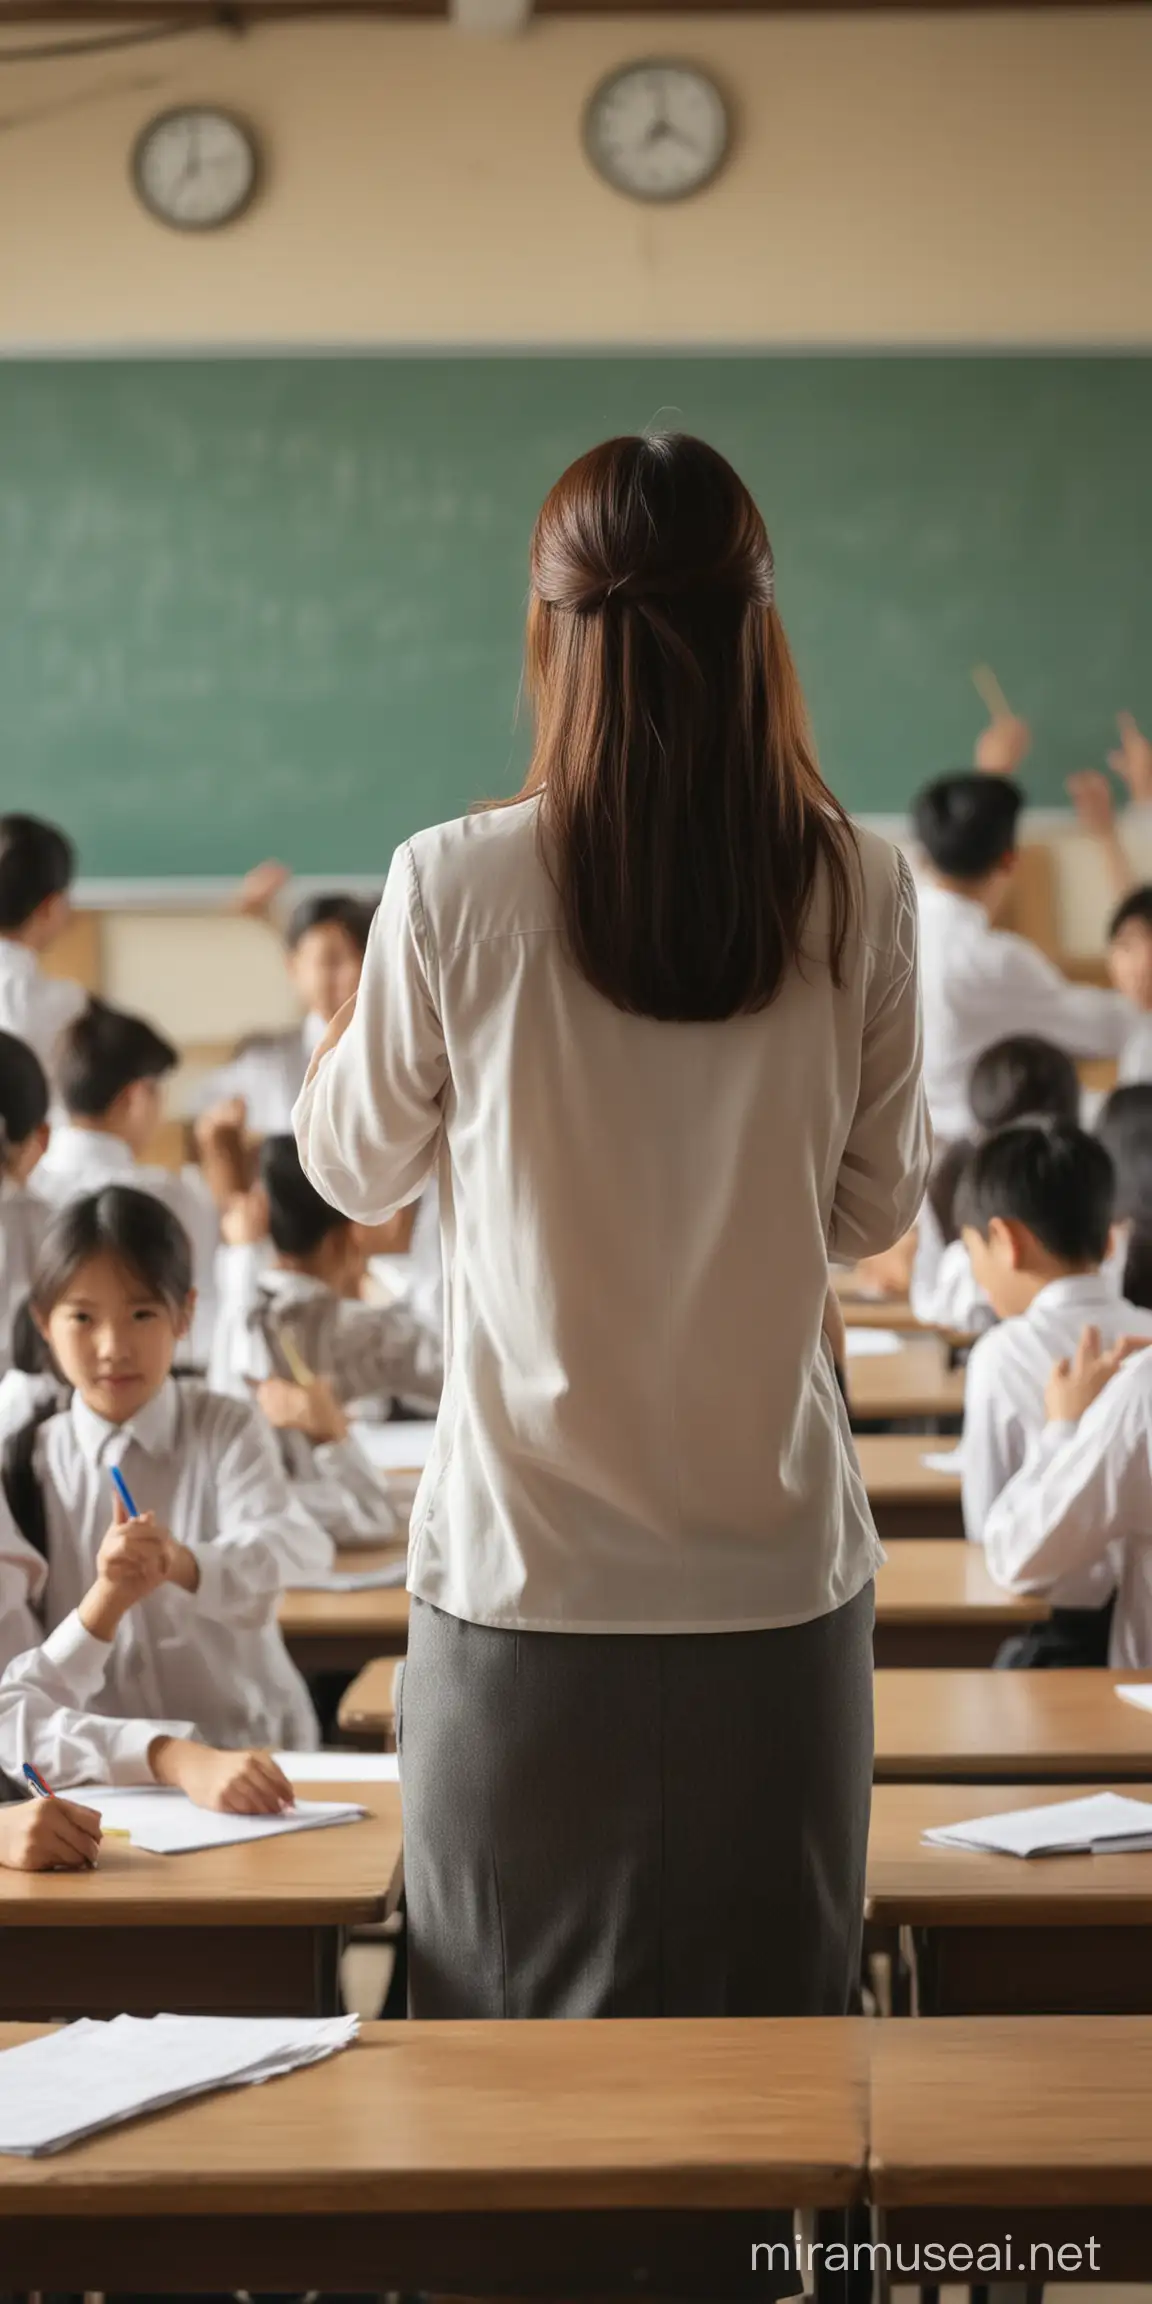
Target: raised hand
x=1132 y=758
x=1003 y=746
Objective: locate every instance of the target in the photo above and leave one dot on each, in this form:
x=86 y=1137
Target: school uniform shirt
x=45 y=1721
x=208 y=1470
x=83 y=1160
x=980 y=985
x=641 y=1428
x=1008 y=1372
x=943 y=1290
x=35 y=1007
x=1083 y=1496
x=24 y=1220
x=269 y=1074
x=1135 y=1064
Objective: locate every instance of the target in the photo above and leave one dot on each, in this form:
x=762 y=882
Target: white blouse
x=641 y=1428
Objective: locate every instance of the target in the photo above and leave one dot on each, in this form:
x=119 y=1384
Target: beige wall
x=939 y=179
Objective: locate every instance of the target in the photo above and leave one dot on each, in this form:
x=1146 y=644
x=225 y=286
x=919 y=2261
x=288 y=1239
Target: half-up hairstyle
x=134 y=1227
x=23 y=1094
x=684 y=820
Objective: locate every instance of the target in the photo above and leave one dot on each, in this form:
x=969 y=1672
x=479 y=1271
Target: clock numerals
x=196 y=168
x=657 y=131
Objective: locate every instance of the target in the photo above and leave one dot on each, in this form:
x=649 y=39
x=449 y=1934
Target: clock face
x=195 y=168
x=657 y=131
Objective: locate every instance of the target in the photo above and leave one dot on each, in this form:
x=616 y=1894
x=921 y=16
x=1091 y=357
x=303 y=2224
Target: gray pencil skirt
x=636 y=1824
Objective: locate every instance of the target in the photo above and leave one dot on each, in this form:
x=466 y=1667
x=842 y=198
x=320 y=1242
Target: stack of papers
x=871 y=1343
x=397 y=1447
x=356 y=1579
x=1100 y=1824
x=944 y=1460
x=339 y=1767
x=70 y=2084
x=167 y=1824
x=1137 y=1692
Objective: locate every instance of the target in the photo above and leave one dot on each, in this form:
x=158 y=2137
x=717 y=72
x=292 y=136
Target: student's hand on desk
x=309 y=1408
x=1091 y=797
x=49 y=1836
x=1074 y=1384
x=1003 y=746
x=1132 y=759
x=242 y=1783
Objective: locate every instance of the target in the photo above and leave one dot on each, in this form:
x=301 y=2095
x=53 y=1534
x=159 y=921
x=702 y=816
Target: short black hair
x=298 y=1219
x=23 y=1091
x=1136 y=905
x=134 y=1227
x=102 y=1053
x=1125 y=1130
x=967 y=824
x=36 y=861
x=1055 y=1179
x=348 y=912
x=1023 y=1078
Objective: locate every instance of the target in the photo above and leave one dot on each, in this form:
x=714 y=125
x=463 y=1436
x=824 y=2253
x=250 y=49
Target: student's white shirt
x=981 y=984
x=23 y=1222
x=209 y=1471
x=46 y=1721
x=35 y=1007
x=83 y=1160
x=943 y=1290
x=1083 y=1496
x=1136 y=1055
x=641 y=1428
x=1008 y=1372
x=269 y=1075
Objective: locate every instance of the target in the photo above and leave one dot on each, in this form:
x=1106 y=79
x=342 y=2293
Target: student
x=111 y=1069
x=112 y=1298
x=44 y=1693
x=1021 y=1078
x=325 y=943
x=303 y=1311
x=978 y=982
x=1035 y=1209
x=1081 y=1504
x=1130 y=967
x=23 y=1217
x=1125 y=1130
x=37 y=864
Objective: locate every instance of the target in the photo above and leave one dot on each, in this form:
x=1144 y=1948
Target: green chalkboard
x=274 y=604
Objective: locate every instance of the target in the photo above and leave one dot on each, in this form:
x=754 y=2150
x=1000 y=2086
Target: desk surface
x=929 y=1581
x=1016 y=1725
x=366 y=1707
x=894 y=1470
x=916 y=1381
x=353 y=1615
x=338 y=1877
x=914 y=1886
x=456 y=2117
x=1013 y=2111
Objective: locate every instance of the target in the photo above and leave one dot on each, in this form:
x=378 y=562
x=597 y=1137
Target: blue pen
x=123 y=1491
x=37 y=1782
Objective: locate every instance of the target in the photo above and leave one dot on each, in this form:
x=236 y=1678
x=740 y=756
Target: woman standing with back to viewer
x=656 y=1024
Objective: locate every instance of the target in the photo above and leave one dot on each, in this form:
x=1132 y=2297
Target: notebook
x=944 y=1460
x=871 y=1343
x=1135 y=1692
x=92 y=2075
x=168 y=1824
x=1101 y=1823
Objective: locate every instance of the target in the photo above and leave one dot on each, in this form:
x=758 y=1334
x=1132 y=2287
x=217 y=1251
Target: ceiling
x=97 y=13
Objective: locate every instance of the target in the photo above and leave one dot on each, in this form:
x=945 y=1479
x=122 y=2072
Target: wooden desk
x=367 y=1712
x=1036 y=2127
x=1019 y=1726
x=936 y=1604
x=915 y=1383
x=340 y=1631
x=534 y=2158
x=989 y=1935
x=252 y=1930
x=906 y=1498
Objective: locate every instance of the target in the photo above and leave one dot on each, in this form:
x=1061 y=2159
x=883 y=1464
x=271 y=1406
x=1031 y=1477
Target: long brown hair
x=683 y=816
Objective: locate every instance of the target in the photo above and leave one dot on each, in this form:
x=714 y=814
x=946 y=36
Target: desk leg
x=328 y=1944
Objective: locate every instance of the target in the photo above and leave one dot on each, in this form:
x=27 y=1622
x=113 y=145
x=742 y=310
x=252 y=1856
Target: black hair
x=36 y=861
x=1136 y=905
x=1055 y=1179
x=348 y=912
x=134 y=1227
x=1125 y=1130
x=298 y=1219
x=967 y=824
x=23 y=1093
x=1023 y=1078
x=102 y=1053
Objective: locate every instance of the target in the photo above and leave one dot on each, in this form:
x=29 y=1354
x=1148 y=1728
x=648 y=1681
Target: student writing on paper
x=112 y=1296
x=37 y=863
x=48 y=1836
x=324 y=949
x=23 y=1217
x=1083 y=1496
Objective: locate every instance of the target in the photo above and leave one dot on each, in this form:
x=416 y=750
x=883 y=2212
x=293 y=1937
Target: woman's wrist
x=103 y=1608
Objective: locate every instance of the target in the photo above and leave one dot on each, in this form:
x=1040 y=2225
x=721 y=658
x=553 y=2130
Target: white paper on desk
x=871 y=1343
x=1136 y=1692
x=398 y=1446
x=1100 y=1823
x=356 y=1579
x=168 y=1824
x=339 y=1767
x=89 y=2076
x=943 y=1460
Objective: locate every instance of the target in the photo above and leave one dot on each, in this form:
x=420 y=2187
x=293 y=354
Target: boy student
x=1130 y=967
x=295 y=1332
x=978 y=981
x=37 y=865
x=324 y=941
x=1034 y=1206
